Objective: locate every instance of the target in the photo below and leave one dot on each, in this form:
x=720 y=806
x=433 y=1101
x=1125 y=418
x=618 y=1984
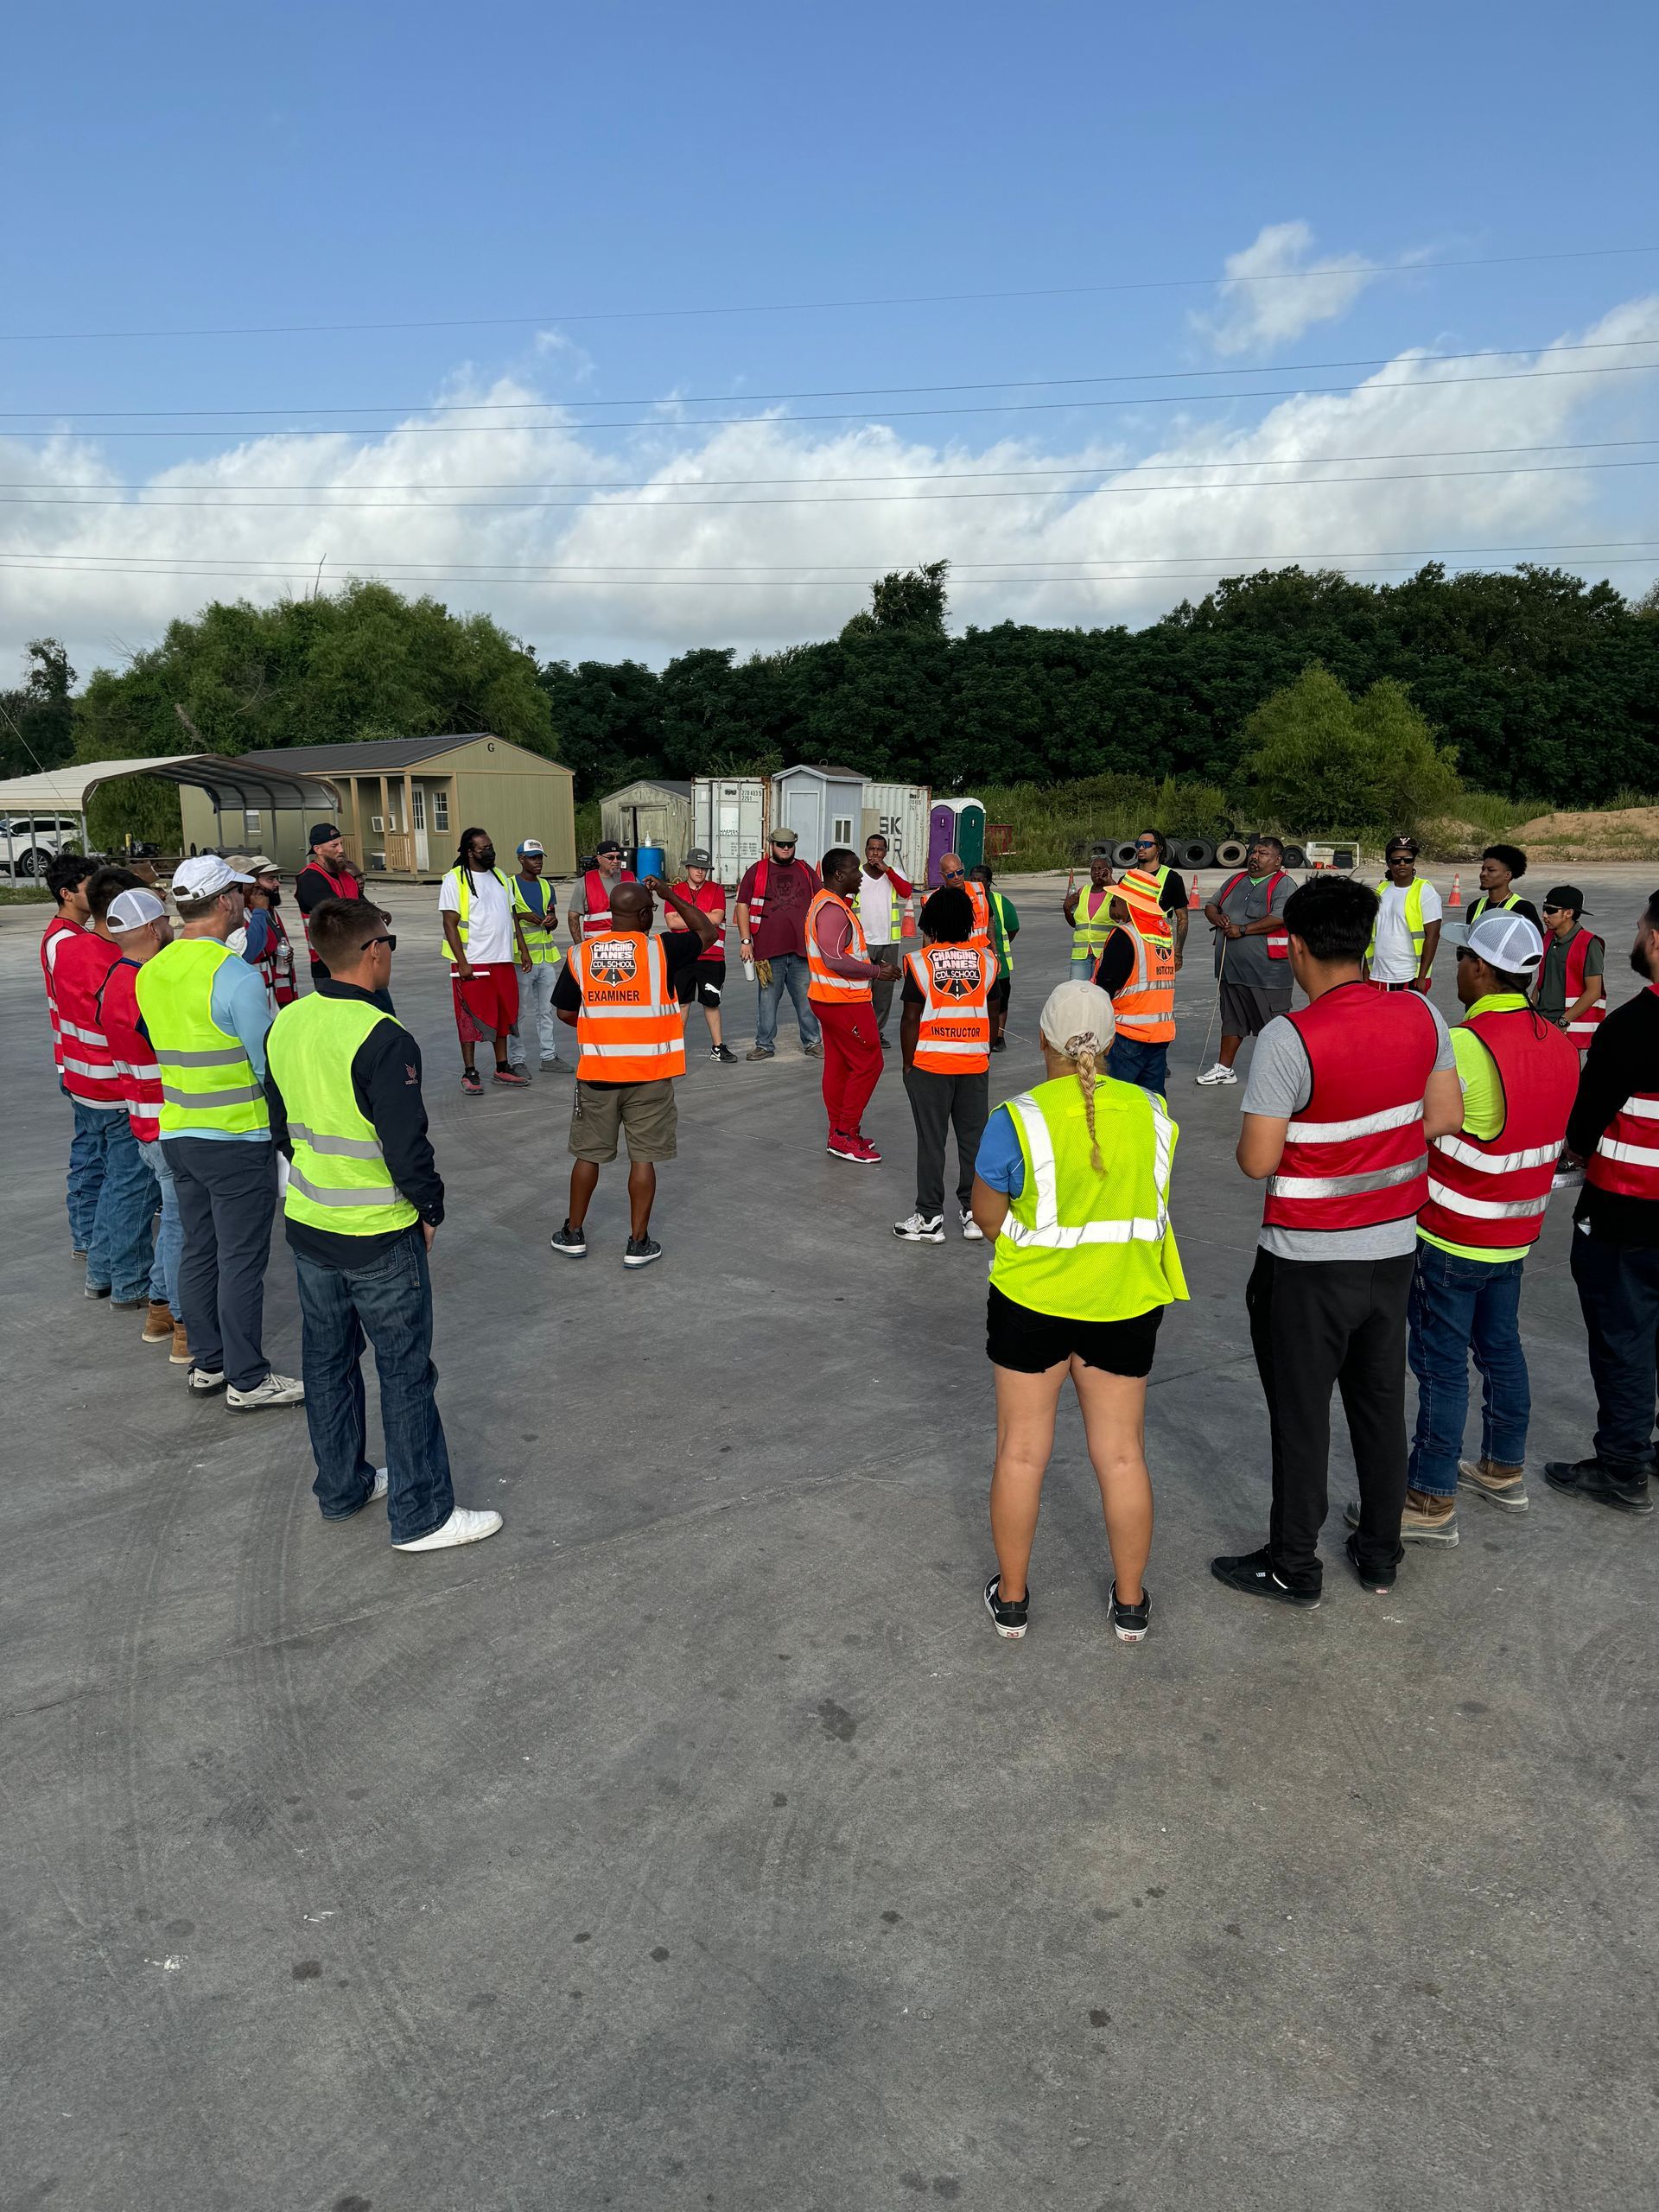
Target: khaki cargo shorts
x=644 y=1112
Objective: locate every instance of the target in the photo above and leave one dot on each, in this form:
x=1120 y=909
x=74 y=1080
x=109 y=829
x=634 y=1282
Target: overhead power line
x=826 y=498
x=53 y=414
x=906 y=413
x=1370 y=271
x=233 y=491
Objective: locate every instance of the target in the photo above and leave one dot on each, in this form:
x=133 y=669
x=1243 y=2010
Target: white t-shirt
x=875 y=904
x=489 y=918
x=1394 y=960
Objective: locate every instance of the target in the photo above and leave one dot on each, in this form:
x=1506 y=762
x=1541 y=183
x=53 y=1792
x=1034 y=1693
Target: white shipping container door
x=730 y=816
x=899 y=813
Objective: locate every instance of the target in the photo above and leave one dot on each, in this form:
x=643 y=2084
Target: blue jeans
x=789 y=974
x=85 y=1168
x=1618 y=1294
x=170 y=1238
x=122 y=1251
x=1133 y=1062
x=387 y=1302
x=1459 y=1306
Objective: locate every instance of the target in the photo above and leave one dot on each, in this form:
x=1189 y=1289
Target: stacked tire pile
x=1193 y=853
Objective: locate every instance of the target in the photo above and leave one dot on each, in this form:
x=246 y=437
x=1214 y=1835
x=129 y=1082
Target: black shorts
x=1000 y=992
x=702 y=981
x=1030 y=1343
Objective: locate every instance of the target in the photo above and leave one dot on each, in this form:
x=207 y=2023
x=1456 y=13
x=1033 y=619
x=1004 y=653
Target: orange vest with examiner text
x=631 y=1028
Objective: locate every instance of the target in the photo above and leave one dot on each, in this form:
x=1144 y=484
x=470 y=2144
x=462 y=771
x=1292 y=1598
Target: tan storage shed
x=653 y=811
x=404 y=801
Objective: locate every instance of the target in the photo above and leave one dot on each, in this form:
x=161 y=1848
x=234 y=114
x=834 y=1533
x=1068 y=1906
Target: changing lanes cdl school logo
x=956 y=971
x=613 y=960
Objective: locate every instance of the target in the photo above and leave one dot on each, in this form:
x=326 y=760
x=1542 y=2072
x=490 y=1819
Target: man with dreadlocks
x=1072 y=1180
x=482 y=928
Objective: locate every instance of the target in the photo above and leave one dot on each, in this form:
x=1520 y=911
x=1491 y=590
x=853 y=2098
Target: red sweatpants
x=852 y=1061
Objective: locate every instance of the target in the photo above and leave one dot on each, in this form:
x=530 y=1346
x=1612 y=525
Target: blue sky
x=564 y=169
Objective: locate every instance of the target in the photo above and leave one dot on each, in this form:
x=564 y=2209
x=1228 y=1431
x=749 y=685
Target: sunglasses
x=953 y=874
x=1150 y=843
x=369 y=943
x=1547 y=909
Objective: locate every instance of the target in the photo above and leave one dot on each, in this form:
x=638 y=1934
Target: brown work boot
x=158 y=1323
x=1500 y=1486
x=180 y=1355
x=1428 y=1519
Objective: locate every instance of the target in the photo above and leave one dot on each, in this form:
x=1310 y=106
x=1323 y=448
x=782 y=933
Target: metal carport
x=229 y=780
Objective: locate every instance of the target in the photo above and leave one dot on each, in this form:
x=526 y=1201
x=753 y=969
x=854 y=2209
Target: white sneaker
x=1217 y=1074
x=274 y=1390
x=382 y=1484
x=971 y=1229
x=205 y=1379
x=921 y=1228
x=466 y=1525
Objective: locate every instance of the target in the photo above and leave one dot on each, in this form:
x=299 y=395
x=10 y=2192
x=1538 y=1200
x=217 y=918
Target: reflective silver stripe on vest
x=87 y=1036
x=1366 y=1125
x=1633 y=1155
x=1645 y=1109
x=100 y=1070
x=1046 y=1229
x=931 y=1045
x=1495 y=1163
x=145 y=1074
x=1488 y=1208
x=377 y=1194
x=1141 y=1021
x=226 y=1056
x=338 y=1148
x=1343 y=1186
x=244 y=1094
x=602 y=1010
x=658 y=1050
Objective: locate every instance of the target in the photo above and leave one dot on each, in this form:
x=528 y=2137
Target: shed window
x=842 y=832
x=439 y=810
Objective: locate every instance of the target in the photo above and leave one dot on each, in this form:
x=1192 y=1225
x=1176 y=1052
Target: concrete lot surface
x=694 y=1842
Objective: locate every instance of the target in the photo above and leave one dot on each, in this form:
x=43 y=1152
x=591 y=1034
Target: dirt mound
x=1629 y=833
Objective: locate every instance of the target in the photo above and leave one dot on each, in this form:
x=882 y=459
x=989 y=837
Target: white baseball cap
x=205 y=875
x=1506 y=941
x=134 y=910
x=1078 y=1013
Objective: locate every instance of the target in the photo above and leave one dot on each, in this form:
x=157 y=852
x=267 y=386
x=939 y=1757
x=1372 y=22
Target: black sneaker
x=1008 y=1615
x=471 y=1083
x=96 y=1290
x=1252 y=1572
x=641 y=1251
x=571 y=1241
x=1378 y=1580
x=999 y=1044
x=1130 y=1623
x=725 y=1055
x=1607 y=1485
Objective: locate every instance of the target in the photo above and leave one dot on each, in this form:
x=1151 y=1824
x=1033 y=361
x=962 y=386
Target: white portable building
x=730 y=816
x=823 y=806
x=899 y=813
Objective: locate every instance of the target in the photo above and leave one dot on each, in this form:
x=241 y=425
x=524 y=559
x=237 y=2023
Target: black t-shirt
x=1624 y=1057
x=681 y=948
x=1174 y=894
x=1521 y=906
x=1117 y=962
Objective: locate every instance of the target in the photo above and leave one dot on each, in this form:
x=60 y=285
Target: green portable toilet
x=970 y=831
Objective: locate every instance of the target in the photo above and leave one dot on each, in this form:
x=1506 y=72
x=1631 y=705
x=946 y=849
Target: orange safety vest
x=631 y=1028
x=1145 y=1007
x=979 y=938
x=821 y=982
x=955 y=982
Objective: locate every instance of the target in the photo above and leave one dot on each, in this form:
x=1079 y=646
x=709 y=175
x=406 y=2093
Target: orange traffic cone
x=907 y=927
x=1456 y=899
x=1193 y=898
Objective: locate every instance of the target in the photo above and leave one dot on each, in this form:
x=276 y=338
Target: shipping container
x=822 y=805
x=730 y=816
x=899 y=813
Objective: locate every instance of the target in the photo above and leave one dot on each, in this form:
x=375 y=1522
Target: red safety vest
x=955 y=982
x=1278 y=939
x=757 y=898
x=134 y=1054
x=339 y=887
x=80 y=960
x=1578 y=952
x=56 y=928
x=596 y=921
x=1354 y=1154
x=278 y=974
x=709 y=899
x=1493 y=1191
x=1626 y=1158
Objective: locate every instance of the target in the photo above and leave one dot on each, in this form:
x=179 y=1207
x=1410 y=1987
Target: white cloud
x=1266 y=303
x=635 y=566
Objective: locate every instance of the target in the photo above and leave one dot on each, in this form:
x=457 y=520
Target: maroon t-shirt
x=790 y=891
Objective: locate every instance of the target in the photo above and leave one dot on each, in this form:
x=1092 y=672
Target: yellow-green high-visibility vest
x=1090 y=930
x=538 y=930
x=207 y=1079
x=1414 y=915
x=338 y=1178
x=464 y=907
x=1004 y=946
x=1078 y=1242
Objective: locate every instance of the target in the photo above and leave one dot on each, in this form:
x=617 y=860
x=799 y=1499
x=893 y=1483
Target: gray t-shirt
x=1280 y=1083
x=1247 y=957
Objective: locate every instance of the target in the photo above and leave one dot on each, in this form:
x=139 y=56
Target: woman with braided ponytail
x=1072 y=1180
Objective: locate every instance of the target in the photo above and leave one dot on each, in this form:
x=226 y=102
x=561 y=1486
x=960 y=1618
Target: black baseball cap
x=606 y=845
x=1565 y=894
x=322 y=833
